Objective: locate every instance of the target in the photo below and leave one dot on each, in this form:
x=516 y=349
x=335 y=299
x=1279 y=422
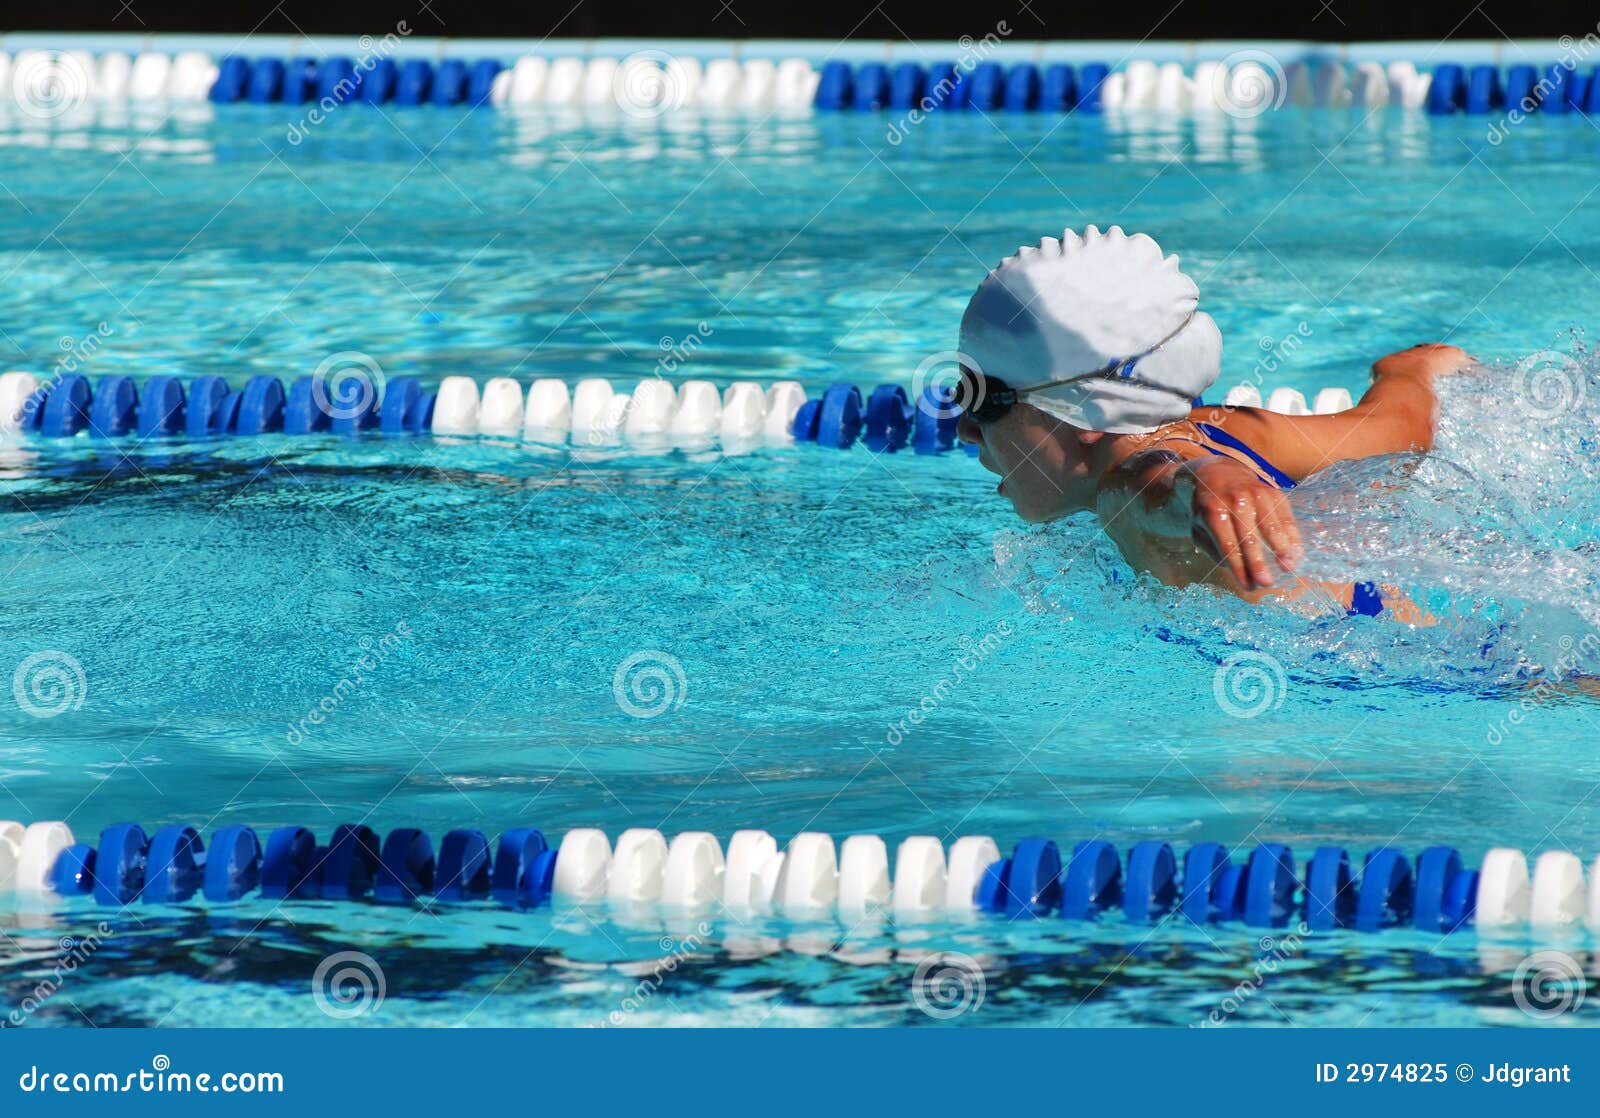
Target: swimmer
x=1083 y=361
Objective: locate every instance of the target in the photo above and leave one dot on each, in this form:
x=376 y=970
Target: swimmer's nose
x=968 y=431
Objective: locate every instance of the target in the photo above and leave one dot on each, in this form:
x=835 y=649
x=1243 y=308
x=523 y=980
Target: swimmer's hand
x=1423 y=361
x=1235 y=517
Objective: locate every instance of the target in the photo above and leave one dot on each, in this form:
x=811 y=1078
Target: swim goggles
x=986 y=398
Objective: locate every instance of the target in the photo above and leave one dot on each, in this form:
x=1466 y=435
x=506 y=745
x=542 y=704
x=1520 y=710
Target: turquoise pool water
x=216 y=593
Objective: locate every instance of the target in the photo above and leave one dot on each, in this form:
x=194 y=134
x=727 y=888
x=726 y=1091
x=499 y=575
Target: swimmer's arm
x=1183 y=519
x=1397 y=415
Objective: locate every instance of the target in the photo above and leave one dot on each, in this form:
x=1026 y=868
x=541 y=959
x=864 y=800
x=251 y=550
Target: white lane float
x=807 y=885
x=795 y=86
x=744 y=409
x=151 y=73
x=15 y=389
x=563 y=82
x=500 y=410
x=637 y=867
x=919 y=877
x=10 y=853
x=719 y=88
x=600 y=82
x=1332 y=400
x=40 y=846
x=650 y=413
x=112 y=72
x=863 y=875
x=583 y=866
x=784 y=398
x=527 y=80
x=549 y=406
x=758 y=85
x=1503 y=889
x=693 y=875
x=699 y=414
x=748 y=852
x=1287 y=401
x=591 y=405
x=455 y=411
x=1555 y=899
x=970 y=856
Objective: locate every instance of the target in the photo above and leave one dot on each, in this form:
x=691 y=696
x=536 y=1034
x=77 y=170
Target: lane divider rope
x=811 y=878
x=651 y=82
x=592 y=413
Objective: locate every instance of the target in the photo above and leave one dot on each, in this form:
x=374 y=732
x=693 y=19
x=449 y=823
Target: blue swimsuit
x=1365 y=598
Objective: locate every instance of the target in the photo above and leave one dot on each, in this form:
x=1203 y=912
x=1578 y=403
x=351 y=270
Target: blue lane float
x=115 y=408
x=449 y=83
x=871 y=88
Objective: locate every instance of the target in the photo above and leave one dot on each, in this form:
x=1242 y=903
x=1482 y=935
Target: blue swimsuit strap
x=1268 y=470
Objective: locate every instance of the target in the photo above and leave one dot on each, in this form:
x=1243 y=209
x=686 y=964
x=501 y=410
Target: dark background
x=1335 y=20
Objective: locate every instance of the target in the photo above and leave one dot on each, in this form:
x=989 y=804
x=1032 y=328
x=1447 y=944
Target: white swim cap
x=1106 y=309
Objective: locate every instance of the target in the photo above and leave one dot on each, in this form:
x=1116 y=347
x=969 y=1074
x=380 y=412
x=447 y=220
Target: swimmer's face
x=1043 y=463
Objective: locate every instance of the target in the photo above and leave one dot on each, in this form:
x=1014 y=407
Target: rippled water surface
x=783 y=610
